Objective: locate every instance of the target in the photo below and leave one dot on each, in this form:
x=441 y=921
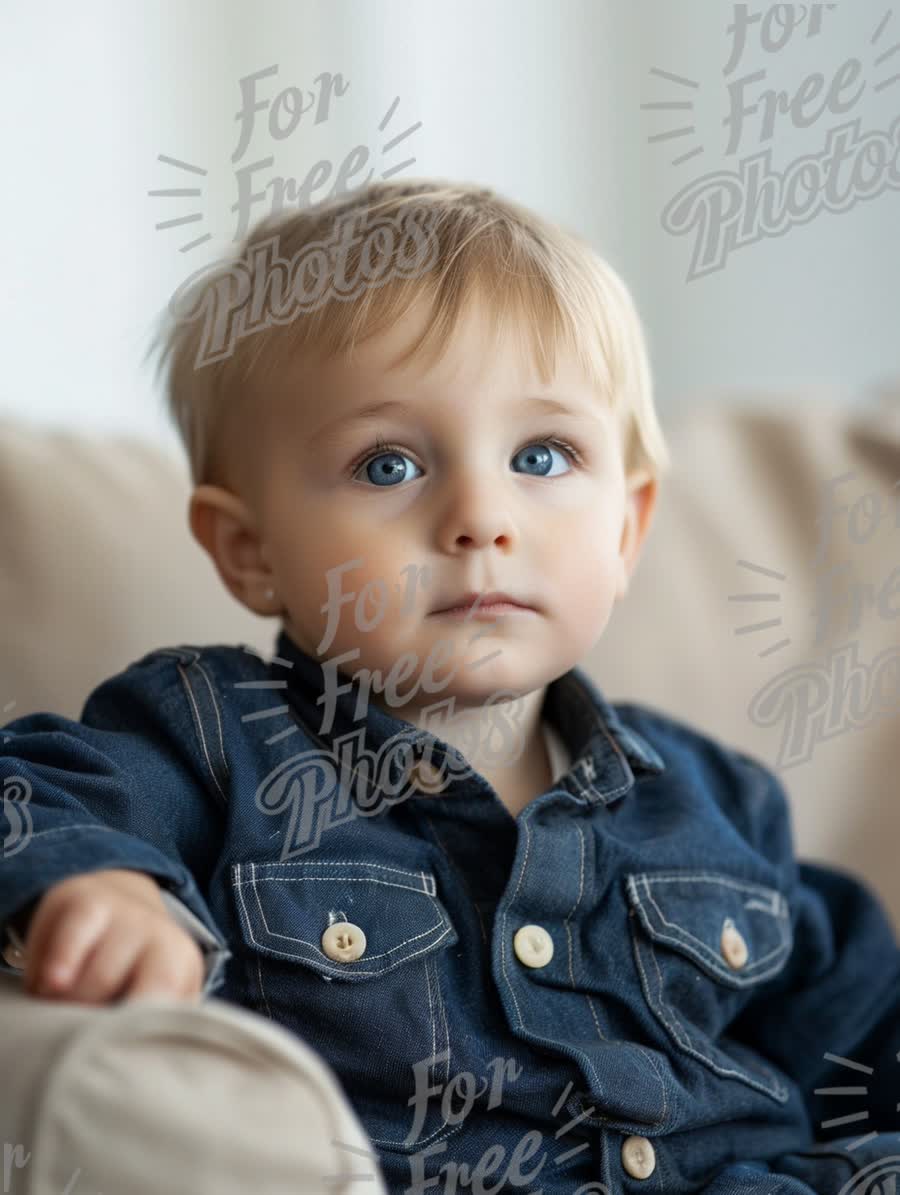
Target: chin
x=477 y=686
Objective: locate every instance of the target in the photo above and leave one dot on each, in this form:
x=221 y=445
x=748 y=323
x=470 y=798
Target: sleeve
x=830 y=1019
x=214 y=954
x=125 y=786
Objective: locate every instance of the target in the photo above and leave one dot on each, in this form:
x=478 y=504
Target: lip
x=494 y=602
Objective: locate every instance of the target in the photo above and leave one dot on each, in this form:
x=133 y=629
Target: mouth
x=493 y=603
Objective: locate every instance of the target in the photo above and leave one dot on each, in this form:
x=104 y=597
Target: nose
x=476 y=515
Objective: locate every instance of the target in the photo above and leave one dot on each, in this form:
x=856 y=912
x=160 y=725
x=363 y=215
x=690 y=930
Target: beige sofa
x=98 y=567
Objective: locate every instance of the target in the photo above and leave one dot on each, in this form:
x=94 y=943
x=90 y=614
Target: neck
x=503 y=742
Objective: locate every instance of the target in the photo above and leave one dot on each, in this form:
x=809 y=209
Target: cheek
x=588 y=539
x=373 y=606
x=584 y=570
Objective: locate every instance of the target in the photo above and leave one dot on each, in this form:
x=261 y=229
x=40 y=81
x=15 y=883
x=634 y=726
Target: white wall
x=540 y=98
x=816 y=307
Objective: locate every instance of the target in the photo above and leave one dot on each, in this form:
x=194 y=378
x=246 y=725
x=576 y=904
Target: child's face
x=464 y=509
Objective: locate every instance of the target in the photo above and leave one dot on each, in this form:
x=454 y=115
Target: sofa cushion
x=98 y=566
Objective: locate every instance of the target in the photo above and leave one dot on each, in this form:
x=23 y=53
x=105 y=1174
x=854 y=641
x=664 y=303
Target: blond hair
x=552 y=284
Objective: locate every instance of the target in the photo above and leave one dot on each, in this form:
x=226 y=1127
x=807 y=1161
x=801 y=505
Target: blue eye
x=538 y=456
x=386 y=467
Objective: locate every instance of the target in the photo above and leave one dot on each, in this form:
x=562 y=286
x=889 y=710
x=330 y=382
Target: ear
x=640 y=502
x=224 y=527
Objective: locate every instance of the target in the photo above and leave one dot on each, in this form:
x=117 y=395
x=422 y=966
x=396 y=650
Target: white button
x=344 y=941
x=638 y=1157
x=14 y=957
x=734 y=948
x=427 y=777
x=533 y=946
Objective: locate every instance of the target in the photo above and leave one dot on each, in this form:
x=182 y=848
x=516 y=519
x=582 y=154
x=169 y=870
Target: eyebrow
x=536 y=405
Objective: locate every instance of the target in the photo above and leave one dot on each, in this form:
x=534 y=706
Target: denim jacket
x=631 y=986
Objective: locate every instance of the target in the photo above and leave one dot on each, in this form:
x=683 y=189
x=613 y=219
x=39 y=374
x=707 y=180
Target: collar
x=606 y=754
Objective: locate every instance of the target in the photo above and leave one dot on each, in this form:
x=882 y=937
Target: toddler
x=546 y=943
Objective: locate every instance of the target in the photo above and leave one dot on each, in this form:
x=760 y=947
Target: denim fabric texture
x=704 y=986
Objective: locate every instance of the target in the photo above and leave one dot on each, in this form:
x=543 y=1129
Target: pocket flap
x=285 y=908
x=711 y=917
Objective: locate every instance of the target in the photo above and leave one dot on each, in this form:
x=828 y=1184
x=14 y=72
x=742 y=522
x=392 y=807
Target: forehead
x=473 y=367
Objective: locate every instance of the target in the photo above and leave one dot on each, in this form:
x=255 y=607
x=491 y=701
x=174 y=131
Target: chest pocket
x=352 y=956
x=704 y=942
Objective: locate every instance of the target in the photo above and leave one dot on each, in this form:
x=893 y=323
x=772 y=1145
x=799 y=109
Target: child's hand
x=106 y=935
